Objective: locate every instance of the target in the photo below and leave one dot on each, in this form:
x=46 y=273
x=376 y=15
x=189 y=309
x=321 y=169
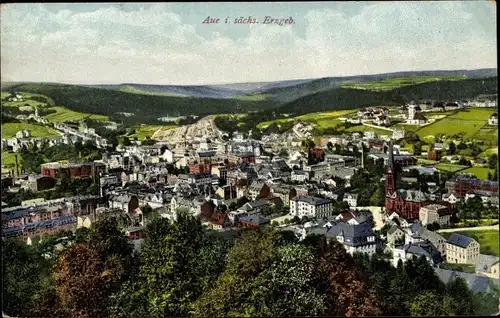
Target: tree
x=251 y=254
x=378 y=197
x=168 y=259
x=288 y=286
x=343 y=284
x=458 y=298
x=451 y=148
x=79 y=273
x=493 y=161
x=21 y=277
x=429 y=303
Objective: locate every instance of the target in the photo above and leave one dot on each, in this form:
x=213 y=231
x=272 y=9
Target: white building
x=493 y=120
x=398 y=134
x=351 y=199
x=300 y=175
x=434 y=213
x=311 y=207
x=415 y=117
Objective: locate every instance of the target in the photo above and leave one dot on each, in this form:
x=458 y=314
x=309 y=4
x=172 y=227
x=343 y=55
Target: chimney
x=17 y=166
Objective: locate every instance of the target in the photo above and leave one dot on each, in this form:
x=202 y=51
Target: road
x=477 y=228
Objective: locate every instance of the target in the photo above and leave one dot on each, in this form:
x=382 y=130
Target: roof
x=485 y=262
x=424 y=249
x=393 y=229
x=460 y=240
x=354 y=235
x=42 y=224
x=311 y=200
x=476 y=282
x=255 y=219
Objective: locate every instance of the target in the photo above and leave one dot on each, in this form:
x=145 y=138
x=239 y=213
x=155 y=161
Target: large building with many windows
x=311 y=207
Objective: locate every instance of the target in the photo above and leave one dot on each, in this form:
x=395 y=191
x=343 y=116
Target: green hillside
x=349 y=98
x=145 y=108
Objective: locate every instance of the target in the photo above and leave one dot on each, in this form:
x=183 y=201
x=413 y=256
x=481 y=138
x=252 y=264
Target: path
x=477 y=228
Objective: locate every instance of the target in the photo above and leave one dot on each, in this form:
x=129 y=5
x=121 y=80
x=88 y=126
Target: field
x=9 y=159
x=471 y=123
x=412 y=128
x=9 y=130
x=254 y=97
x=426 y=162
x=479 y=172
x=322 y=119
x=64 y=115
x=488 y=152
x=28 y=102
x=488 y=240
x=448 y=167
x=144 y=131
x=392 y=83
x=133 y=90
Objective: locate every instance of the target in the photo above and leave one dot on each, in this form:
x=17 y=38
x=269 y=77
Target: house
x=355 y=217
x=258 y=190
x=488 y=265
x=415 y=117
x=300 y=175
x=493 y=120
x=351 y=199
x=311 y=207
x=394 y=235
x=461 y=249
x=411 y=250
x=256 y=221
x=127 y=203
x=451 y=198
x=355 y=238
x=435 y=213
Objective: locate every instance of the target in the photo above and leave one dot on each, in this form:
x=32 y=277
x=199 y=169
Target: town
x=174 y=161
x=361 y=190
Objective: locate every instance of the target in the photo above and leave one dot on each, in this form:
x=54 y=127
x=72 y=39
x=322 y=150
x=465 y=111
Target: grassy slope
x=347 y=98
x=392 y=83
x=9 y=130
x=63 y=115
x=471 y=122
x=109 y=102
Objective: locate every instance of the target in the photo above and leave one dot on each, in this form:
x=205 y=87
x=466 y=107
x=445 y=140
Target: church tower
x=390 y=178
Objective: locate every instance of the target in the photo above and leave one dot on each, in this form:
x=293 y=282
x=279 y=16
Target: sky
x=169 y=44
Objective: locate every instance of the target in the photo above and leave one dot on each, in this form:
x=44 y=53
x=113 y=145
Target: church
x=406 y=203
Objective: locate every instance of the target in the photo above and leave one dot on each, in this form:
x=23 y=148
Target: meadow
x=9 y=130
x=363 y=128
x=488 y=240
x=9 y=159
x=448 y=167
x=479 y=172
x=472 y=123
x=392 y=83
x=64 y=115
x=253 y=97
x=322 y=119
x=147 y=131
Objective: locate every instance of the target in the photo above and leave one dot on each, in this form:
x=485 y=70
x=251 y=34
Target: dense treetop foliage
x=183 y=270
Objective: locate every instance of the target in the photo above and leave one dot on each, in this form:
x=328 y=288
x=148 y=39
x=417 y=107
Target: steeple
x=390 y=162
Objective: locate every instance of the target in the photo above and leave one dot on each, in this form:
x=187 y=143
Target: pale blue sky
x=168 y=44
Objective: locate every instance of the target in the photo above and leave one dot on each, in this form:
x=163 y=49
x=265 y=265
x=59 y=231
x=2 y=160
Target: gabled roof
x=485 y=262
x=460 y=240
x=476 y=282
x=354 y=235
x=255 y=219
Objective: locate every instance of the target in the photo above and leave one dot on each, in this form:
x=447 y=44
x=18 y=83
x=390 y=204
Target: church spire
x=390 y=162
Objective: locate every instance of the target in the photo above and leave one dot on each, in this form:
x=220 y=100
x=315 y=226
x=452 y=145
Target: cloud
x=153 y=44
